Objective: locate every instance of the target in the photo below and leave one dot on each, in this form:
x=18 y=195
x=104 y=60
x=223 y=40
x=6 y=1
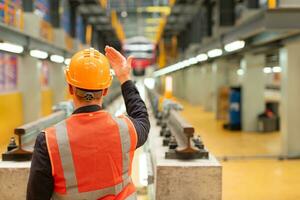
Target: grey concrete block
x=199 y=179
x=13 y=180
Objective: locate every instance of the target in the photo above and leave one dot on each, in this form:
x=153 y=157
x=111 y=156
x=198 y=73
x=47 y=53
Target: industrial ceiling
x=138 y=17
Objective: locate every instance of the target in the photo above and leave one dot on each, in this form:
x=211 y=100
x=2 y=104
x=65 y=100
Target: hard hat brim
x=78 y=85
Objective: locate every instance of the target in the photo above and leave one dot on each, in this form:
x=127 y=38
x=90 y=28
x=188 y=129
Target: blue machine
x=235 y=109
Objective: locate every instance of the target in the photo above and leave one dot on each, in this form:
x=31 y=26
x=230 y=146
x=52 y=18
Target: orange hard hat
x=89 y=69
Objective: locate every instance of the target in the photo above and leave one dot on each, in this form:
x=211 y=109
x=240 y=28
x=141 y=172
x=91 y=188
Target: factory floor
x=252 y=171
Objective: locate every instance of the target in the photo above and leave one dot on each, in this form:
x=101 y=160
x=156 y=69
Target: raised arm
x=135 y=106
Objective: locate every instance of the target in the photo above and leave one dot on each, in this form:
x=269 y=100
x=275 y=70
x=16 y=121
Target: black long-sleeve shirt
x=41 y=183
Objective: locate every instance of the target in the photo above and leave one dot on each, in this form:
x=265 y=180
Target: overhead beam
x=283 y=19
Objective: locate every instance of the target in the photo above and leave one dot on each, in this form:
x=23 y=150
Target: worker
x=89 y=155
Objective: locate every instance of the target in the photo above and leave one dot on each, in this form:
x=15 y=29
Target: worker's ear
x=105 y=91
x=71 y=90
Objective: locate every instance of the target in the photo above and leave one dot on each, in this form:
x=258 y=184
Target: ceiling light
x=267 y=70
x=173 y=68
x=277 y=69
x=124 y=14
x=57 y=58
x=193 y=61
x=139 y=47
x=157 y=9
x=38 y=54
x=176 y=66
x=202 y=57
x=67 y=61
x=153 y=20
x=185 y=63
x=151 y=29
x=234 y=46
x=169 y=69
x=240 y=72
x=215 y=53
x=13 y=48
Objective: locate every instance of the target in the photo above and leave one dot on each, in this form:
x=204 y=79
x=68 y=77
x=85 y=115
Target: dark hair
x=88 y=95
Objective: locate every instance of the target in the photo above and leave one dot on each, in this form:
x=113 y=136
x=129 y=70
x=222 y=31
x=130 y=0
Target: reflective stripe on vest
x=65 y=152
x=125 y=142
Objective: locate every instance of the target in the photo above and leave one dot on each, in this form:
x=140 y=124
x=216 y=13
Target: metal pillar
x=101 y=42
x=179 y=84
x=30 y=87
x=219 y=79
x=208 y=18
x=253 y=87
x=73 y=13
x=226 y=12
x=183 y=40
x=54 y=13
x=193 y=78
x=94 y=42
x=253 y=4
x=195 y=32
x=290 y=97
x=208 y=82
x=202 y=82
x=57 y=82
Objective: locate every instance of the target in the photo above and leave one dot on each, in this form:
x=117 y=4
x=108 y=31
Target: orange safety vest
x=91 y=156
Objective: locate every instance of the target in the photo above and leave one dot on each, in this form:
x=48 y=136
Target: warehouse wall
x=179 y=84
x=30 y=87
x=188 y=84
x=57 y=83
x=289 y=3
x=199 y=84
x=233 y=78
x=46 y=101
x=11 y=116
x=30 y=101
x=193 y=85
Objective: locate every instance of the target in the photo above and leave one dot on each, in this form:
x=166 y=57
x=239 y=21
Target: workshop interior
x=220 y=79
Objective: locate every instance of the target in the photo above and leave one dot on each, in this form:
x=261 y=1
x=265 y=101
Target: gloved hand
x=120 y=65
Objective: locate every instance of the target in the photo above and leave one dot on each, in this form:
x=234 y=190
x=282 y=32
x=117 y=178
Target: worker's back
x=91 y=155
x=88 y=156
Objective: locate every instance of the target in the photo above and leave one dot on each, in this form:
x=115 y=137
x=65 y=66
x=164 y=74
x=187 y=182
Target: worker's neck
x=79 y=104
